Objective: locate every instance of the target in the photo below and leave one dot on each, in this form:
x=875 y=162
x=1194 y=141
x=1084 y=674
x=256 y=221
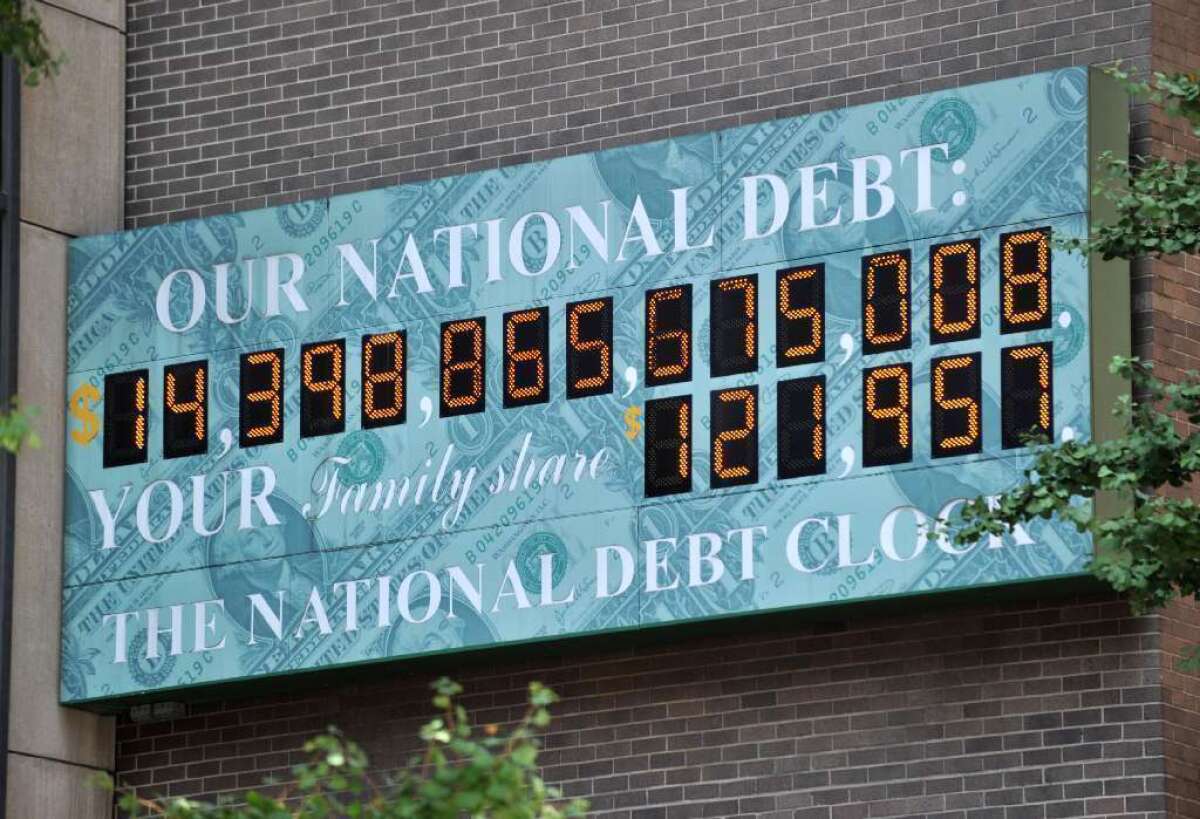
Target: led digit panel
x=886 y=303
x=185 y=409
x=887 y=415
x=955 y=384
x=589 y=347
x=800 y=315
x=322 y=388
x=527 y=357
x=1025 y=280
x=126 y=417
x=668 y=446
x=734 y=325
x=463 y=367
x=956 y=423
x=954 y=291
x=801 y=431
x=734 y=444
x=669 y=335
x=1027 y=394
x=384 y=398
x=260 y=417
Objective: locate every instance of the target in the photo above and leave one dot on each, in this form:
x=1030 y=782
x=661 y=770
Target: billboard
x=741 y=371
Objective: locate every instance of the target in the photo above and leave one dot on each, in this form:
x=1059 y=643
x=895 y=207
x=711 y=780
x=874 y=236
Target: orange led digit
x=954 y=291
x=126 y=417
x=1025 y=280
x=462 y=367
x=800 y=315
x=261 y=412
x=887 y=415
x=734 y=415
x=1026 y=394
x=668 y=335
x=589 y=347
x=526 y=350
x=668 y=446
x=322 y=388
x=185 y=423
x=800 y=430
x=885 y=298
x=383 y=392
x=955 y=419
x=733 y=325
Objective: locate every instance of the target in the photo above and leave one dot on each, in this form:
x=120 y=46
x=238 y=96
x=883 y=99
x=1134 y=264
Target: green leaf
x=22 y=38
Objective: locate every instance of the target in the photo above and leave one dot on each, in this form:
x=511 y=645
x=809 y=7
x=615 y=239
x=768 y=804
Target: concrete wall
x=71 y=184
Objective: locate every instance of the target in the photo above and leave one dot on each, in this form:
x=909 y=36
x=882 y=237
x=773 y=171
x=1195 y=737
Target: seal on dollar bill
x=150 y=673
x=300 y=218
x=818 y=546
x=950 y=121
x=365 y=452
x=1068 y=338
x=1067 y=93
x=529 y=560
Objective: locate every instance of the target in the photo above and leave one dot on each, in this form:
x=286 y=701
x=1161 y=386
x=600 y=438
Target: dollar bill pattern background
x=1023 y=142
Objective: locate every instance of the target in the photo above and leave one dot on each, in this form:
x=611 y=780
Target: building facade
x=1055 y=702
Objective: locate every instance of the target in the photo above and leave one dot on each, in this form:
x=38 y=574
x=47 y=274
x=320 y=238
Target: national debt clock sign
x=719 y=374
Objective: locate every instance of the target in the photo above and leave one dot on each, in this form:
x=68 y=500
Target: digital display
x=464 y=364
x=956 y=405
x=1026 y=376
x=185 y=409
x=801 y=415
x=589 y=347
x=886 y=302
x=887 y=415
x=383 y=394
x=126 y=418
x=1025 y=280
x=669 y=335
x=734 y=320
x=727 y=372
x=734 y=446
x=322 y=388
x=956 y=410
x=954 y=291
x=527 y=357
x=260 y=420
x=800 y=322
x=668 y=446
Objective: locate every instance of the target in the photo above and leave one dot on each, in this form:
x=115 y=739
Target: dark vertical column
x=10 y=235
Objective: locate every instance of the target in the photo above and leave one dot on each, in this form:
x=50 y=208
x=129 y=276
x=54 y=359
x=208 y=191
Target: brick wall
x=1166 y=305
x=1170 y=312
x=246 y=103
x=1046 y=709
x=1180 y=628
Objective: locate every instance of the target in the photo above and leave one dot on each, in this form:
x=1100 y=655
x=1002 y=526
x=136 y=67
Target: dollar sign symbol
x=632 y=425
x=82 y=401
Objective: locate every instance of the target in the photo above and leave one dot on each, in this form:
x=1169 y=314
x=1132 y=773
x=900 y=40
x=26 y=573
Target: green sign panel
x=744 y=371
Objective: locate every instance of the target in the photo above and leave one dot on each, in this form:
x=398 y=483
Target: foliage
x=1157 y=201
x=16 y=429
x=1148 y=550
x=460 y=774
x=22 y=38
x=1150 y=547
